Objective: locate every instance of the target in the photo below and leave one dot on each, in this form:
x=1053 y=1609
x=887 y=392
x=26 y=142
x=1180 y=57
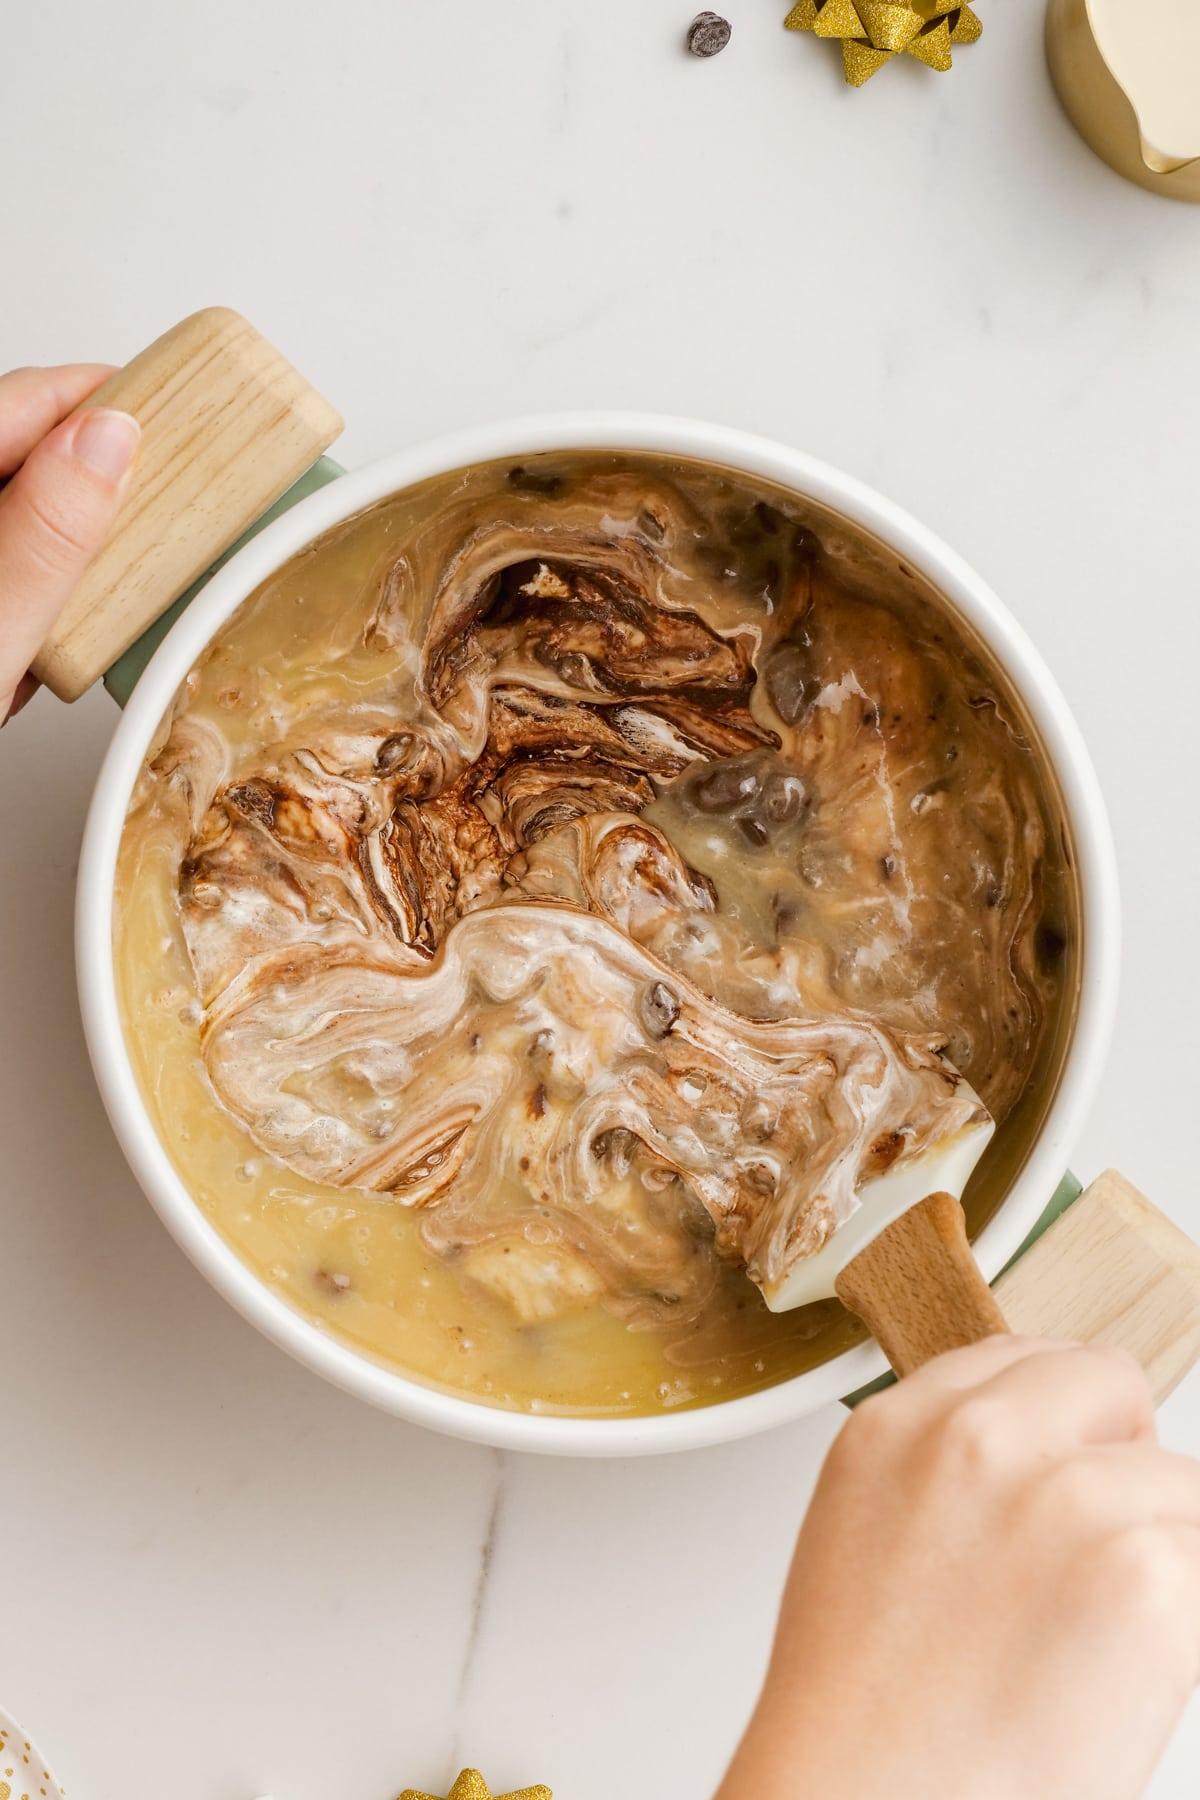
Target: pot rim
x=353 y=1369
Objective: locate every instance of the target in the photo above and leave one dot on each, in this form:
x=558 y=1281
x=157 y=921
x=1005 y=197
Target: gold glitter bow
x=471 y=1786
x=873 y=31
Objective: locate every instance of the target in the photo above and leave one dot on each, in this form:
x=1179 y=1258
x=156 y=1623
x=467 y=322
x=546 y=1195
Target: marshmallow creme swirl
x=627 y=883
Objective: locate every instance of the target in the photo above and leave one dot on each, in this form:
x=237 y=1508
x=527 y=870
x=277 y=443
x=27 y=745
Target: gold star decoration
x=873 y=31
x=471 y=1786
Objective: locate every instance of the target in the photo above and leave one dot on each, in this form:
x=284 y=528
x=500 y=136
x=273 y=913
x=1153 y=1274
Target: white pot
x=753 y=456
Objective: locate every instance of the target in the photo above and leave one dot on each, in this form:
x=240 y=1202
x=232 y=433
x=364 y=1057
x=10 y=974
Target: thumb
x=55 y=514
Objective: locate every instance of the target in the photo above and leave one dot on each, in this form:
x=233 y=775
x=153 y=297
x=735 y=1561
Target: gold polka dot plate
x=24 y=1773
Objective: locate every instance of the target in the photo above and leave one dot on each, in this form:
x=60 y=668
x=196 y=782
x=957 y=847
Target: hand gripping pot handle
x=228 y=425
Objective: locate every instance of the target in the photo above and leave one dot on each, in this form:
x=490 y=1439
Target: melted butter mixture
x=555 y=892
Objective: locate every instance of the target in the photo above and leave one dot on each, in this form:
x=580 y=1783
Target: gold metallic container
x=1105 y=112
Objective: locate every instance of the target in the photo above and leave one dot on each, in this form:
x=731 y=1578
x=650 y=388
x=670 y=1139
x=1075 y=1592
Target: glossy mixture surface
x=555 y=892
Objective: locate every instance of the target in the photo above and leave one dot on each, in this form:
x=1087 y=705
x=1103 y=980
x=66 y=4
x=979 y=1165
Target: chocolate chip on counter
x=708 y=33
x=659 y=1009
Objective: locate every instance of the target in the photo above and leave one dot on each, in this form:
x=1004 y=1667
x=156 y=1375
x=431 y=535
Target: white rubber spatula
x=902 y=1261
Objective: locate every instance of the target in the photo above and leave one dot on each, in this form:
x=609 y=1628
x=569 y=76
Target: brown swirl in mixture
x=643 y=903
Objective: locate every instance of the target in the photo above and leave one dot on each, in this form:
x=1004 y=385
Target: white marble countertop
x=446 y=213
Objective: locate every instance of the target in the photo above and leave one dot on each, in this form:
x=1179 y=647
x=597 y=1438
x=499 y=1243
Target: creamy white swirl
x=645 y=920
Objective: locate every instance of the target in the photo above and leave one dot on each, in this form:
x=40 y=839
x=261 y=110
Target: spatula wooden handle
x=917 y=1287
x=227 y=426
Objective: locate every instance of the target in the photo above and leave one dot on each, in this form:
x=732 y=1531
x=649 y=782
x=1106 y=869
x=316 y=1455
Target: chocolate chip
x=783 y=797
x=724 y=786
x=255 y=800
x=659 y=1009
x=1050 y=943
x=575 y=669
x=753 y=528
x=928 y=795
x=393 y=751
x=618 y=1147
x=787 y=682
x=758 y=1178
x=534 y=481
x=708 y=33
x=753 y=830
x=786 y=914
x=884 y=1151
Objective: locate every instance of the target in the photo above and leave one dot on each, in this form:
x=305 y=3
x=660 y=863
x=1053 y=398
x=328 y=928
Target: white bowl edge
x=691 y=1428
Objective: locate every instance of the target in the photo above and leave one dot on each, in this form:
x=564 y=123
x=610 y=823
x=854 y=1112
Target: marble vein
x=479 y=1600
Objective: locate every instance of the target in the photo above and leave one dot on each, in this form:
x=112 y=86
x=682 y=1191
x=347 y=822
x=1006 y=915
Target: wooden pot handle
x=918 y=1288
x=1112 y=1270
x=227 y=426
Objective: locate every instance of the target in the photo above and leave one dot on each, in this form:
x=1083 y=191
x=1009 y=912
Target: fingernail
x=26 y=688
x=106 y=441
